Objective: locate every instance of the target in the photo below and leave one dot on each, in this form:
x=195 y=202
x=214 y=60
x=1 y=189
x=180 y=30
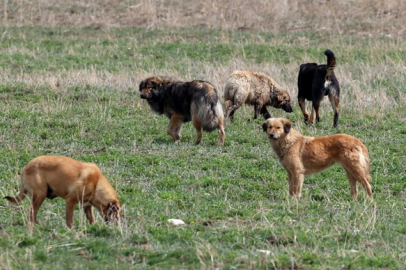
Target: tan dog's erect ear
x=264 y=126
x=287 y=124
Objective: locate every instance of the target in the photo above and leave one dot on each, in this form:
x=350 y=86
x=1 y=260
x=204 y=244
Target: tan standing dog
x=302 y=155
x=74 y=181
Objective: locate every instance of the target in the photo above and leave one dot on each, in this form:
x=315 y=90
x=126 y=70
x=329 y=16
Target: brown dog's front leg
x=174 y=127
x=257 y=109
x=70 y=206
x=88 y=209
x=265 y=113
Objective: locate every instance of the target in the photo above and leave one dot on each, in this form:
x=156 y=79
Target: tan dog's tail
x=21 y=195
x=331 y=63
x=17 y=199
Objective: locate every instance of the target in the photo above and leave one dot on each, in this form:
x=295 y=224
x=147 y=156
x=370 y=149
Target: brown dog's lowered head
x=276 y=127
x=112 y=213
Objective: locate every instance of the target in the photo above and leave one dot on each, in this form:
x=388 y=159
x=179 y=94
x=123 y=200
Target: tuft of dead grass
x=364 y=17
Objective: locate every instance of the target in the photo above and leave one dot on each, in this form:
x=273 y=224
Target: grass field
x=73 y=90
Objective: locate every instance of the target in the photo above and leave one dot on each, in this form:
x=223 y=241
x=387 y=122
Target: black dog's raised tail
x=331 y=63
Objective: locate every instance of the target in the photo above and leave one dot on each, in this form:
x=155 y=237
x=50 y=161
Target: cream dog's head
x=276 y=128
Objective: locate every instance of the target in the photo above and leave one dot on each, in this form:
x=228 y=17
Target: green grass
x=234 y=199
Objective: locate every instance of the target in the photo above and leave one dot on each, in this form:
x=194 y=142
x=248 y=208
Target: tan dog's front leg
x=88 y=209
x=70 y=206
x=295 y=184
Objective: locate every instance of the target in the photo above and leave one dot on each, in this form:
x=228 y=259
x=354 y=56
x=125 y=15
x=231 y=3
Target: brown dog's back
x=321 y=152
x=302 y=155
x=55 y=177
x=74 y=181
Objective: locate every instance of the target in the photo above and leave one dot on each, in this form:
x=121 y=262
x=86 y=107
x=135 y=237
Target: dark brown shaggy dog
x=302 y=155
x=74 y=181
x=181 y=102
x=315 y=82
x=255 y=89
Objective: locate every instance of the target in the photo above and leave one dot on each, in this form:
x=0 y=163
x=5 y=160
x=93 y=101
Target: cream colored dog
x=302 y=155
x=74 y=181
x=256 y=89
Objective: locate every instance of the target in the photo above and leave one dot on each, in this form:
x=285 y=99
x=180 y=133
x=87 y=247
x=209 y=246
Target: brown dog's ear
x=156 y=82
x=287 y=125
x=264 y=126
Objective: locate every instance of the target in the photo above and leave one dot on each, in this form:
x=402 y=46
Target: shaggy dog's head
x=149 y=87
x=276 y=128
x=282 y=100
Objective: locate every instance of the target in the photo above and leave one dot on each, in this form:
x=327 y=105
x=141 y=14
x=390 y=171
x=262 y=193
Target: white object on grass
x=267 y=252
x=175 y=221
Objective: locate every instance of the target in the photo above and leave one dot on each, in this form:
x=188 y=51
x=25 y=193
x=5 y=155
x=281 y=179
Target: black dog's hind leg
x=302 y=105
x=334 y=101
x=315 y=113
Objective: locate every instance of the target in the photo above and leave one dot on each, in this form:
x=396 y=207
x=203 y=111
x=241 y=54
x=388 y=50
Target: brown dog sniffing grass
x=302 y=155
x=74 y=181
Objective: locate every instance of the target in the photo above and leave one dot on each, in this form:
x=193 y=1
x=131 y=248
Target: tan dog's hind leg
x=70 y=206
x=353 y=184
x=174 y=127
x=36 y=202
x=88 y=209
x=357 y=174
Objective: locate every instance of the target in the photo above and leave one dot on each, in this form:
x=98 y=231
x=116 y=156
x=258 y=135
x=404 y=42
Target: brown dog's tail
x=21 y=195
x=17 y=199
x=331 y=63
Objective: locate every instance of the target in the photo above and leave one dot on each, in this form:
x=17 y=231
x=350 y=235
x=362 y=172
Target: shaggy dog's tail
x=331 y=63
x=210 y=113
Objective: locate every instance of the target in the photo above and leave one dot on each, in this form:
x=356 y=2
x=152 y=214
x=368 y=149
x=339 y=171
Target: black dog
x=181 y=102
x=315 y=82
